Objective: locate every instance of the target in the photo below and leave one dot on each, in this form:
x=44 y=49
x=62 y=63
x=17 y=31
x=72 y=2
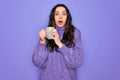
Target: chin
x=60 y=25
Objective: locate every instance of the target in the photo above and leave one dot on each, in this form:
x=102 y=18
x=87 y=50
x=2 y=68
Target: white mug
x=48 y=32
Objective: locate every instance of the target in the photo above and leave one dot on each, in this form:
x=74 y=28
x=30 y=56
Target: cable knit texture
x=60 y=65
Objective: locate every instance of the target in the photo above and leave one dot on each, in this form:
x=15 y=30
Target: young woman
x=59 y=57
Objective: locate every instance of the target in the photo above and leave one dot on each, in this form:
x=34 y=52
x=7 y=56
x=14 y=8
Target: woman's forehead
x=60 y=9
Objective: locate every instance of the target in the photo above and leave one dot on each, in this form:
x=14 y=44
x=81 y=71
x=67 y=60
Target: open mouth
x=60 y=22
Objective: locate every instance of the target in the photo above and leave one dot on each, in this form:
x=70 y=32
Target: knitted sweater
x=59 y=65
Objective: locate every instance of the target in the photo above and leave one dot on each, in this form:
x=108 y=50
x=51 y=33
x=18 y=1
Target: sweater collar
x=60 y=28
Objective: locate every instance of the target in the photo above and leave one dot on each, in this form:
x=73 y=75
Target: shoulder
x=77 y=33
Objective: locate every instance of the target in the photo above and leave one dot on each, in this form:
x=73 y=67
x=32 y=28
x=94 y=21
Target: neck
x=60 y=28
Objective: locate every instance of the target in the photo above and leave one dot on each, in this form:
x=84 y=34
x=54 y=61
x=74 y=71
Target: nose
x=60 y=16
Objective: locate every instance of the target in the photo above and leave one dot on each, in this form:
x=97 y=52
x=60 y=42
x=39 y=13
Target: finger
x=54 y=34
x=42 y=33
x=54 y=30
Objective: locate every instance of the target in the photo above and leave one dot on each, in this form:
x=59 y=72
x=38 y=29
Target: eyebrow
x=62 y=11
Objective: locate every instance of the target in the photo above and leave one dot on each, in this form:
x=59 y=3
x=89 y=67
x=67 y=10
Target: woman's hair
x=68 y=36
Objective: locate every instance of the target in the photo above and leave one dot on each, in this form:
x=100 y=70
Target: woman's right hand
x=42 y=35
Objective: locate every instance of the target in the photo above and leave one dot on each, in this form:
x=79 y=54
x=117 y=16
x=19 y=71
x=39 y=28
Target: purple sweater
x=59 y=65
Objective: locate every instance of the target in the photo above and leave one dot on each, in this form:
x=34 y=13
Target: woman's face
x=60 y=16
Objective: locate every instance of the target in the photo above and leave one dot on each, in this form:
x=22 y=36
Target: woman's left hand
x=56 y=38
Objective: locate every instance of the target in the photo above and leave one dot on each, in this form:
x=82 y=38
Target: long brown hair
x=68 y=36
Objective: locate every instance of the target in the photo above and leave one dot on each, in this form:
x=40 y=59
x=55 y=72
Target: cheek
x=56 y=18
x=65 y=18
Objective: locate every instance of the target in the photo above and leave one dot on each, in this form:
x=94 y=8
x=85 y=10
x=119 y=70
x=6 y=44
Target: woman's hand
x=56 y=38
x=42 y=35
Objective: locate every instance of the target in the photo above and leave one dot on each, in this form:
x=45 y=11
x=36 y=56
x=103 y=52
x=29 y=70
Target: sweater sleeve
x=39 y=57
x=73 y=56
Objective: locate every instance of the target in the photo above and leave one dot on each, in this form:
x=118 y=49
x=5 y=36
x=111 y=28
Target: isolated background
x=98 y=21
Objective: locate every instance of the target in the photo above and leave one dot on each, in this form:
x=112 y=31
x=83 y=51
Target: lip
x=60 y=22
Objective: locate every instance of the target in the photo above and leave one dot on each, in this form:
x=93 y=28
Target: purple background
x=98 y=20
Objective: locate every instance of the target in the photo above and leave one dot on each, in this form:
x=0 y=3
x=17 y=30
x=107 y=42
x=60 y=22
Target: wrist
x=42 y=41
x=60 y=44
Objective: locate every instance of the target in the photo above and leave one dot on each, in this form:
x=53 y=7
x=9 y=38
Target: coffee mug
x=48 y=32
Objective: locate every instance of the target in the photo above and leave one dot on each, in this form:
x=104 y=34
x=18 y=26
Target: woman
x=59 y=57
